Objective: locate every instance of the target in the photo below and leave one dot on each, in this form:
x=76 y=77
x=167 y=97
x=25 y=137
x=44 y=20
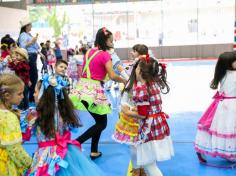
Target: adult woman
x=89 y=94
x=27 y=41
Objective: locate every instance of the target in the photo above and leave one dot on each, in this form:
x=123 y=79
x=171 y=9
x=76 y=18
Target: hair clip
x=53 y=81
x=104 y=29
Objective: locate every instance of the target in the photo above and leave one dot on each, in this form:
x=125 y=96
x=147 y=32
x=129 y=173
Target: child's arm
x=117 y=65
x=11 y=65
x=122 y=72
x=131 y=112
x=10 y=138
x=141 y=98
x=19 y=156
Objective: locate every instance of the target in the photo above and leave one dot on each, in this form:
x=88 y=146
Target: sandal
x=200 y=158
x=96 y=156
x=142 y=172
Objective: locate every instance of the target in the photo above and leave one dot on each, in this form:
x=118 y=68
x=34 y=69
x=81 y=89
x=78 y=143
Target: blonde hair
x=9 y=83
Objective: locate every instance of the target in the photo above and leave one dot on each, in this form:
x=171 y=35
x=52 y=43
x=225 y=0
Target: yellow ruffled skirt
x=126 y=130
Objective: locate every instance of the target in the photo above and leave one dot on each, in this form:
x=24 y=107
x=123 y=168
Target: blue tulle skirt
x=79 y=164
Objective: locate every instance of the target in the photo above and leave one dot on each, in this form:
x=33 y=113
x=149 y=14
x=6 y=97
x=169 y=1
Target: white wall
x=9 y=21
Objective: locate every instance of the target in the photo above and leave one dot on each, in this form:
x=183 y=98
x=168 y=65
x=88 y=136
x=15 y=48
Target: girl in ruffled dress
x=14 y=160
x=126 y=129
x=57 y=153
x=216 y=133
x=154 y=141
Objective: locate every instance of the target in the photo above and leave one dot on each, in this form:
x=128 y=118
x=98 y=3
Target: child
x=155 y=143
x=57 y=50
x=57 y=153
x=43 y=58
x=216 y=135
x=4 y=65
x=51 y=58
x=126 y=129
x=6 y=43
x=4 y=50
x=61 y=69
x=13 y=158
x=73 y=68
x=20 y=65
x=116 y=63
x=137 y=50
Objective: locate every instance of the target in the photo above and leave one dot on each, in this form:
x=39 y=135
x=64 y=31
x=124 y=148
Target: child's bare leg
x=152 y=170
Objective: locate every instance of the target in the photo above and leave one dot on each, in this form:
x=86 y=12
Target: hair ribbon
x=56 y=82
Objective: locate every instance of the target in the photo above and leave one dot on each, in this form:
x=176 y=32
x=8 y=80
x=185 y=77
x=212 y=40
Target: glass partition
x=155 y=23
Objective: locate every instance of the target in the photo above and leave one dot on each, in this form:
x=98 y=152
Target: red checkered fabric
x=151 y=97
x=155 y=126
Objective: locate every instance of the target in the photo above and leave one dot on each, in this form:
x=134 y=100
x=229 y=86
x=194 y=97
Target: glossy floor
x=189 y=96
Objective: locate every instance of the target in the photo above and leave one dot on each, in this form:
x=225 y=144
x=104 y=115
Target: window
x=163 y=22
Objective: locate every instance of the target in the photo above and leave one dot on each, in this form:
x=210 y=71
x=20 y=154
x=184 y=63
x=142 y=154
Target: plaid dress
x=155 y=126
x=155 y=143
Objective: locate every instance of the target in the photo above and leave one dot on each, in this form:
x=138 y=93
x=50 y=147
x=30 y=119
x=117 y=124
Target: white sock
x=152 y=170
x=124 y=74
x=133 y=152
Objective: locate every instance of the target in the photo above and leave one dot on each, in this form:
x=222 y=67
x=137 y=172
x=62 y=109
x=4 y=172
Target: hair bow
x=163 y=66
x=55 y=81
x=145 y=57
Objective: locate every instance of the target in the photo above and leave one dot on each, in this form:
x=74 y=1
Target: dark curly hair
x=151 y=71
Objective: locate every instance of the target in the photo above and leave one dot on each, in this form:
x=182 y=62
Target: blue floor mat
x=185 y=163
x=115 y=159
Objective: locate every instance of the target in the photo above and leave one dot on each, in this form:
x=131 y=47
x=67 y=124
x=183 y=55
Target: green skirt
x=93 y=93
